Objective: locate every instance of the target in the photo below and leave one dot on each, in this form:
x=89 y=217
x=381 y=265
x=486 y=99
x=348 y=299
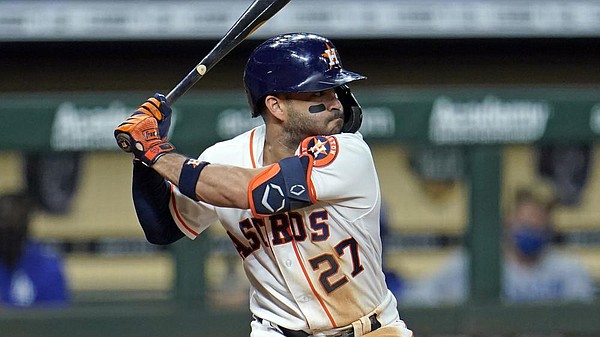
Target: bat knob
x=124 y=141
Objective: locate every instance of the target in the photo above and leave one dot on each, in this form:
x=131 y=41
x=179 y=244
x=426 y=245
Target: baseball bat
x=255 y=15
x=258 y=13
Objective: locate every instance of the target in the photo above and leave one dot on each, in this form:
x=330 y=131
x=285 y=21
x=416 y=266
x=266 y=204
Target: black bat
x=258 y=13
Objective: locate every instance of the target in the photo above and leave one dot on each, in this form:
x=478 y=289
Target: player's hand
x=158 y=107
x=139 y=134
x=155 y=107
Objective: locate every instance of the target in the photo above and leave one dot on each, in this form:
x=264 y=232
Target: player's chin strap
x=352 y=110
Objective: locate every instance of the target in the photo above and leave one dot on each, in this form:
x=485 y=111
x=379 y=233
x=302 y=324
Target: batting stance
x=298 y=196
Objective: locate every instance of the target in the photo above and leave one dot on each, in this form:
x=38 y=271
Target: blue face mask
x=530 y=241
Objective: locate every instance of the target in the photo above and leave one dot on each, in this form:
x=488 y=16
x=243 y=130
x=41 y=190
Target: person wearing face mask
x=532 y=269
x=30 y=275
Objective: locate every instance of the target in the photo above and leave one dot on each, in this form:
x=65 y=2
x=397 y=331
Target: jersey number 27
x=331 y=267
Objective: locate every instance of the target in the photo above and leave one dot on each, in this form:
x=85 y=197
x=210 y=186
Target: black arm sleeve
x=151 y=199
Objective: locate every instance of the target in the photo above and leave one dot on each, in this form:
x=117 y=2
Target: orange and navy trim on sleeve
x=261 y=179
x=282 y=187
x=312 y=194
x=252 y=148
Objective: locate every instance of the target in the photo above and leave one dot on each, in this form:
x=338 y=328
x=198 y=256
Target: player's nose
x=333 y=102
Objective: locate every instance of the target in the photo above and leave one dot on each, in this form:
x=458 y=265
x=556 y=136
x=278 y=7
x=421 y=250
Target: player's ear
x=274 y=106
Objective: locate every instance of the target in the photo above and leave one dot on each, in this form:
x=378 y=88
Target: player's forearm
x=169 y=166
x=225 y=186
x=219 y=185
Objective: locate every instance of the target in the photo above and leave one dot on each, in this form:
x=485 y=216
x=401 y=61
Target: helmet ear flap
x=352 y=110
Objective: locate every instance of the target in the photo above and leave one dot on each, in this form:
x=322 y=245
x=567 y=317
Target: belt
x=349 y=332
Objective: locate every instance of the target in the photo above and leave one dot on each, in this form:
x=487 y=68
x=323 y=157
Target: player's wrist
x=189 y=175
x=156 y=151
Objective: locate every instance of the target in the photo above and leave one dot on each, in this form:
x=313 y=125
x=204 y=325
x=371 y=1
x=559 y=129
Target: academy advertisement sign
x=85 y=122
x=81 y=127
x=70 y=119
x=490 y=120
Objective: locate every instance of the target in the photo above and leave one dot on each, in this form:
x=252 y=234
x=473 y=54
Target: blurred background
x=483 y=117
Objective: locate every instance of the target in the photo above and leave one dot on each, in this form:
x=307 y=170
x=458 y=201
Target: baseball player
x=298 y=196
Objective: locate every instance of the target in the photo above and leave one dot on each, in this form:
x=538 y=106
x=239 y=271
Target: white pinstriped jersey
x=314 y=268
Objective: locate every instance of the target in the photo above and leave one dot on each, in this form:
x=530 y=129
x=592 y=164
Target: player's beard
x=301 y=125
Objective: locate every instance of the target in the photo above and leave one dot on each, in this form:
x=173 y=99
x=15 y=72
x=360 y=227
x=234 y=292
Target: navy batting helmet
x=297 y=62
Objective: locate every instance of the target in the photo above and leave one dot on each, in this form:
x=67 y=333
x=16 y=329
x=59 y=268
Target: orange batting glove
x=158 y=107
x=139 y=134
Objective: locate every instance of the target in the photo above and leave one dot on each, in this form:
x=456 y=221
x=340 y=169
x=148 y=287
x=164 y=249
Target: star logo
x=319 y=148
x=332 y=56
x=193 y=162
x=323 y=149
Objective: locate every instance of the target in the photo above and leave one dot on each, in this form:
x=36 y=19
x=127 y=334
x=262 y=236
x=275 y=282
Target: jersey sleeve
x=191 y=217
x=343 y=170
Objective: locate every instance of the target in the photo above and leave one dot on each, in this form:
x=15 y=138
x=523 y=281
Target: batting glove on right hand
x=139 y=134
x=145 y=132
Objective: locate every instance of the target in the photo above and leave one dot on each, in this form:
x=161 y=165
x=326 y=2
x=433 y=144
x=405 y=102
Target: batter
x=298 y=196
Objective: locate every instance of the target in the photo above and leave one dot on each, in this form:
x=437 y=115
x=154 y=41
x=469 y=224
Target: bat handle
x=186 y=83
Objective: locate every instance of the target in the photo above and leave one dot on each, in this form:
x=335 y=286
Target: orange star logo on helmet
x=332 y=56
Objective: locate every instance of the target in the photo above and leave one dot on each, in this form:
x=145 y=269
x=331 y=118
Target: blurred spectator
x=567 y=166
x=532 y=270
x=30 y=275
